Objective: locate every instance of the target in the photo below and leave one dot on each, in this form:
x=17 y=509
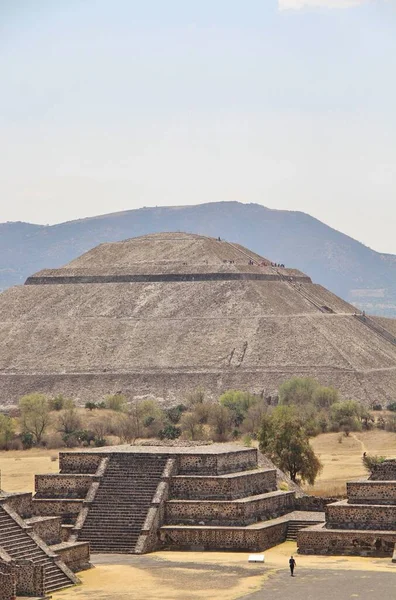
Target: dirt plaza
x=229 y=576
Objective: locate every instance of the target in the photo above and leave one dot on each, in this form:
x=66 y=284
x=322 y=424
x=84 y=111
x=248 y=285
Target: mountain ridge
x=344 y=265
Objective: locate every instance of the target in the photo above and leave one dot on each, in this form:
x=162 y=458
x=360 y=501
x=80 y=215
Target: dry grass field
x=343 y=461
x=18 y=467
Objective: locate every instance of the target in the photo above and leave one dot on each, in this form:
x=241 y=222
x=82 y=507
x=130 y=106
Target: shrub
x=196 y=397
x=391 y=407
x=376 y=407
x=69 y=422
x=220 y=421
x=15 y=444
x=191 y=426
x=238 y=403
x=174 y=413
x=7 y=431
x=170 y=432
x=247 y=440
x=60 y=403
x=27 y=440
x=371 y=461
x=54 y=441
x=99 y=442
x=116 y=402
x=86 y=436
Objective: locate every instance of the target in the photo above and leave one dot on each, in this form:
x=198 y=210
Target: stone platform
x=135 y=499
x=364 y=524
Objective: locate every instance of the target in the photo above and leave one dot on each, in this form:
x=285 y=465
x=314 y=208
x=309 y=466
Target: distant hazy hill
x=340 y=263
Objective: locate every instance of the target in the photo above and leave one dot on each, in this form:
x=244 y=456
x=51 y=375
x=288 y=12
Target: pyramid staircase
x=122 y=501
x=20 y=545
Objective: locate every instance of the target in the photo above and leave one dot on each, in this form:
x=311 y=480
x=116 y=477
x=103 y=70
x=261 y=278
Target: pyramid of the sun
x=163 y=314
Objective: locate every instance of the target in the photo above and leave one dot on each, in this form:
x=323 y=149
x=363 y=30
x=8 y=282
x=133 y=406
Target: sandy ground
x=213 y=575
x=18 y=467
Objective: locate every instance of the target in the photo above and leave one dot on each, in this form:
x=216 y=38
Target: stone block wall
x=228 y=487
x=20 y=503
x=67 y=509
x=319 y=540
x=47 y=528
x=313 y=503
x=217 y=464
x=8 y=581
x=371 y=492
x=342 y=515
x=79 y=462
x=237 y=512
x=385 y=471
x=62 y=485
x=233 y=538
x=30 y=579
x=75 y=556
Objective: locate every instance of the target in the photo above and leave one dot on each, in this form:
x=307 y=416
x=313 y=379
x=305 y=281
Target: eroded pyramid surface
x=163 y=314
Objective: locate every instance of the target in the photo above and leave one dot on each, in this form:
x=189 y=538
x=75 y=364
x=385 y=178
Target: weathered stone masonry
x=364 y=524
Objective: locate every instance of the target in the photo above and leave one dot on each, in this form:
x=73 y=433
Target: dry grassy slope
x=164 y=339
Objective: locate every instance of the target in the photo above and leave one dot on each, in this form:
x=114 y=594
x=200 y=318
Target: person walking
x=292 y=564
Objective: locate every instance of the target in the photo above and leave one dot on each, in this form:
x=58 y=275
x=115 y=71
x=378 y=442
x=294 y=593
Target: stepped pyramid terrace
x=136 y=499
x=163 y=314
x=364 y=524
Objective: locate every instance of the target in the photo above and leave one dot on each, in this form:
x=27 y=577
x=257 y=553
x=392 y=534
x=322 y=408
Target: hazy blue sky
x=108 y=105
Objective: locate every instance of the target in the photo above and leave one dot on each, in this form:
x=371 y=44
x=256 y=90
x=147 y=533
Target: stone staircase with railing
x=19 y=545
x=124 y=496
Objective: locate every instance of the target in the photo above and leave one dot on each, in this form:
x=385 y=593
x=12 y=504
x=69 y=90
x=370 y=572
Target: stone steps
x=118 y=512
x=19 y=545
x=295 y=526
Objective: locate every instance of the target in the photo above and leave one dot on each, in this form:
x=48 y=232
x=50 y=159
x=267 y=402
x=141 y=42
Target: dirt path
x=359 y=441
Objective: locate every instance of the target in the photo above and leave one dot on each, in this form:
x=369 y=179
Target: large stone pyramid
x=163 y=314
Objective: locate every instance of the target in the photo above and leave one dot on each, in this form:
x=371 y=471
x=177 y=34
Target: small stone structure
x=364 y=524
x=135 y=499
x=34 y=558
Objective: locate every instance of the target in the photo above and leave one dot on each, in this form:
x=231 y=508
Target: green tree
x=69 y=425
x=191 y=426
x=116 y=402
x=35 y=415
x=324 y=397
x=298 y=390
x=238 y=404
x=7 y=431
x=221 y=422
x=59 y=402
x=347 y=415
x=283 y=438
x=371 y=461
